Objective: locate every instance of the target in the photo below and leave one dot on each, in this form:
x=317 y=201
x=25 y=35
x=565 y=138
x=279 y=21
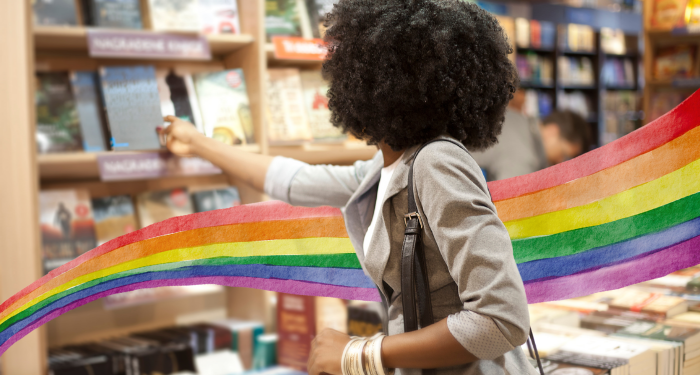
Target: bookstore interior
x=86 y=83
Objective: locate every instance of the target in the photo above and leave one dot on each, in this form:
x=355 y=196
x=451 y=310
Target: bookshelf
x=32 y=49
x=653 y=40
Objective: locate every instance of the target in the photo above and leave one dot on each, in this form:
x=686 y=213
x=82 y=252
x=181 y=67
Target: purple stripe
x=284 y=286
x=654 y=265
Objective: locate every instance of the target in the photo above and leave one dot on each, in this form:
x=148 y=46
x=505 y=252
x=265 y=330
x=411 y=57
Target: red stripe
x=663 y=130
x=251 y=213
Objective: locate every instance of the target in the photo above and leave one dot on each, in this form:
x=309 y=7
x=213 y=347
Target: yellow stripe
x=305 y=246
x=664 y=190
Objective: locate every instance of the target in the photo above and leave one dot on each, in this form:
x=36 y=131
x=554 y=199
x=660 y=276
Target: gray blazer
x=468 y=250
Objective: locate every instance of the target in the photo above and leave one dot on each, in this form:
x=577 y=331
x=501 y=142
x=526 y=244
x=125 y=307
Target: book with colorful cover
x=115 y=14
x=58 y=127
x=67 y=226
x=219 y=17
x=132 y=102
x=296 y=327
x=285 y=114
x=223 y=103
x=215 y=199
x=675 y=62
x=169 y=15
x=651 y=303
x=54 y=13
x=156 y=206
x=667 y=14
x=282 y=18
x=114 y=217
x=88 y=104
x=315 y=90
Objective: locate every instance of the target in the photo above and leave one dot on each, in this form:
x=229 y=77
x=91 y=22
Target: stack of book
x=534 y=34
x=575 y=71
x=679 y=61
x=621 y=114
x=576 y=38
x=535 y=69
x=618 y=73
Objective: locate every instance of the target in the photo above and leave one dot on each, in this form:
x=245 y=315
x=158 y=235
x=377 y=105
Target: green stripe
x=347 y=260
x=580 y=240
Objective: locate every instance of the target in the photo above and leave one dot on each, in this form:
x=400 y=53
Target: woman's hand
x=326 y=352
x=180 y=136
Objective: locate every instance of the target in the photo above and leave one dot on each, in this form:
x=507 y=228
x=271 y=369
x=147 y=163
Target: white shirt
x=384 y=180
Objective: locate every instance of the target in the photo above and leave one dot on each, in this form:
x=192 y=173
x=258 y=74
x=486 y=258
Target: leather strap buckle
x=411 y=215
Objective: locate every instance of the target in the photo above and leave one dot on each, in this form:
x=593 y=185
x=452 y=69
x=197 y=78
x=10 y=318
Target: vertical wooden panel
x=19 y=222
x=648 y=60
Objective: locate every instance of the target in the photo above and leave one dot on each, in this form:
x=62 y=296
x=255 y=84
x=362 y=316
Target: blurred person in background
x=526 y=145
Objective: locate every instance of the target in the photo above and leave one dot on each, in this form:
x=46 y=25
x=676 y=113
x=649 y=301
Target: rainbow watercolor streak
x=621 y=214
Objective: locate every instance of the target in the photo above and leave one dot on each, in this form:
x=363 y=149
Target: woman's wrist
x=199 y=144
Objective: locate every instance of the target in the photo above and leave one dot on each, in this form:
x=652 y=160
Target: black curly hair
x=407 y=71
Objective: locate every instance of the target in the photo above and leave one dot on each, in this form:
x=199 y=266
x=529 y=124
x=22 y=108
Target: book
x=156 y=206
x=612 y=41
x=54 y=13
x=88 y=104
x=667 y=14
x=115 y=14
x=317 y=10
x=690 y=337
x=167 y=108
x=548 y=35
x=651 y=303
x=223 y=103
x=640 y=360
x=244 y=338
x=675 y=62
x=67 y=226
x=285 y=114
x=219 y=17
x=114 y=217
x=168 y=15
x=522 y=32
x=132 y=104
x=215 y=199
x=364 y=318
x=58 y=128
x=282 y=18
x=184 y=97
x=296 y=327
x=315 y=90
x=561 y=368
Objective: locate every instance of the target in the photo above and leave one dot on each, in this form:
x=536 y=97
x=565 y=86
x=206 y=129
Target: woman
x=402 y=73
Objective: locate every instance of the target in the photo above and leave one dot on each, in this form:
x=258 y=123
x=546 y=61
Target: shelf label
x=299 y=48
x=146 y=44
x=118 y=166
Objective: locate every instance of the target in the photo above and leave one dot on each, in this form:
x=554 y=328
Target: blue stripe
x=606 y=255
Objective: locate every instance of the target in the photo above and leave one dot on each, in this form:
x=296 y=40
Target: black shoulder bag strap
x=414 y=270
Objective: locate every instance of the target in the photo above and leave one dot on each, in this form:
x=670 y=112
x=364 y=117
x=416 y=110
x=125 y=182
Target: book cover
x=223 y=103
x=208 y=200
x=114 y=216
x=133 y=109
x=58 y=128
x=244 y=338
x=174 y=15
x=167 y=108
x=156 y=206
x=116 y=14
x=317 y=10
x=640 y=301
x=54 y=13
x=88 y=104
x=667 y=13
x=285 y=114
x=315 y=89
x=296 y=327
x=183 y=97
x=282 y=18
x=67 y=226
x=219 y=17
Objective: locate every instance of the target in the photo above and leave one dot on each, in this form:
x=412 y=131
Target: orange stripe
x=640 y=170
x=247 y=232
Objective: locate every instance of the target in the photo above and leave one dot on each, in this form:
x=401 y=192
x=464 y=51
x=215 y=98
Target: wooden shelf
x=537 y=50
x=83 y=165
x=272 y=61
x=580 y=53
x=326 y=153
x=75 y=39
